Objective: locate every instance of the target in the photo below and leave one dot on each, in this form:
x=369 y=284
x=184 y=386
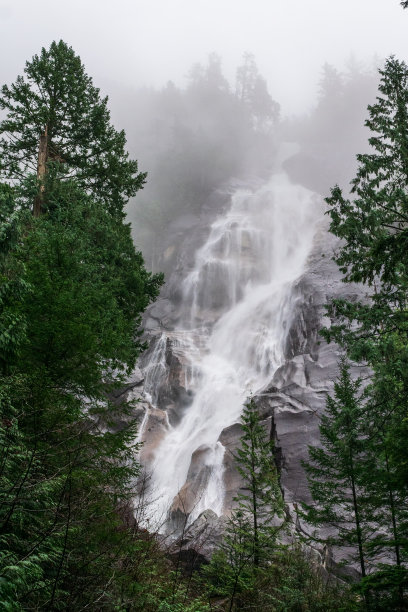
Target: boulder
x=198 y=541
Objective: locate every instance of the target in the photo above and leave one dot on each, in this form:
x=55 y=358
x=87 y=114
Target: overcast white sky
x=143 y=42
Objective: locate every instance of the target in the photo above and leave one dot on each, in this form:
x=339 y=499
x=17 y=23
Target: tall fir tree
x=260 y=499
x=336 y=470
x=251 y=531
x=231 y=571
x=72 y=292
x=56 y=116
x=372 y=224
x=373 y=228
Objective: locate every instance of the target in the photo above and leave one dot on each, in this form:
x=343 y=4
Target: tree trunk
x=254 y=499
x=357 y=520
x=394 y=530
x=41 y=171
x=359 y=534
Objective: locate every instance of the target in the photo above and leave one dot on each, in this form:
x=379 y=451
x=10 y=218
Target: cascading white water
x=241 y=282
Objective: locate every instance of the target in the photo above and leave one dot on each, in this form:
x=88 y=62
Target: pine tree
x=353 y=488
x=386 y=508
x=336 y=470
x=89 y=290
x=372 y=224
x=251 y=89
x=72 y=292
x=250 y=534
x=261 y=497
x=55 y=116
x=231 y=571
x=373 y=227
x=250 y=569
x=68 y=330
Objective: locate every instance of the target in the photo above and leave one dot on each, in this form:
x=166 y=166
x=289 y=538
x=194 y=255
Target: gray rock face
x=290 y=406
x=198 y=541
x=296 y=397
x=232 y=480
x=155 y=428
x=197 y=479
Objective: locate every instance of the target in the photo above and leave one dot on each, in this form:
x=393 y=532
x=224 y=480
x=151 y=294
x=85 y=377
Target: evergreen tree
x=90 y=288
x=250 y=535
x=287 y=578
x=72 y=291
x=373 y=226
x=261 y=497
x=387 y=510
x=252 y=90
x=56 y=116
x=293 y=582
x=231 y=571
x=66 y=468
x=335 y=472
x=374 y=222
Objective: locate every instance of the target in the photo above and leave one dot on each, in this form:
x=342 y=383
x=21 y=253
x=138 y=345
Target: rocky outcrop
x=290 y=405
x=296 y=396
x=198 y=541
x=154 y=429
x=194 y=487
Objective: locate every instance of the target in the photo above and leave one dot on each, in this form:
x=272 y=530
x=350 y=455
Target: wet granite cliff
x=290 y=404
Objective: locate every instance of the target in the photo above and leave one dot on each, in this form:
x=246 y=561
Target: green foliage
x=261 y=499
x=385 y=587
x=89 y=290
x=72 y=292
x=336 y=470
x=57 y=98
x=291 y=581
x=231 y=570
x=373 y=227
x=374 y=221
x=250 y=536
x=294 y=582
x=64 y=471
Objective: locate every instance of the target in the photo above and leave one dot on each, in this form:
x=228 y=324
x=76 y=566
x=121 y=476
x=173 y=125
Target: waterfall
x=238 y=307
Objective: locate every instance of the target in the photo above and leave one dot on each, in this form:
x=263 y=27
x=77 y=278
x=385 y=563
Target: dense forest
x=73 y=289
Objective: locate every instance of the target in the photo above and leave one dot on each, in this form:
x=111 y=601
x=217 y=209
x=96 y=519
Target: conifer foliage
x=56 y=116
x=260 y=499
x=252 y=569
x=250 y=536
x=336 y=470
x=72 y=291
x=372 y=224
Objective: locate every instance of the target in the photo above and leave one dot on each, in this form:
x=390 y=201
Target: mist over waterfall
x=236 y=311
